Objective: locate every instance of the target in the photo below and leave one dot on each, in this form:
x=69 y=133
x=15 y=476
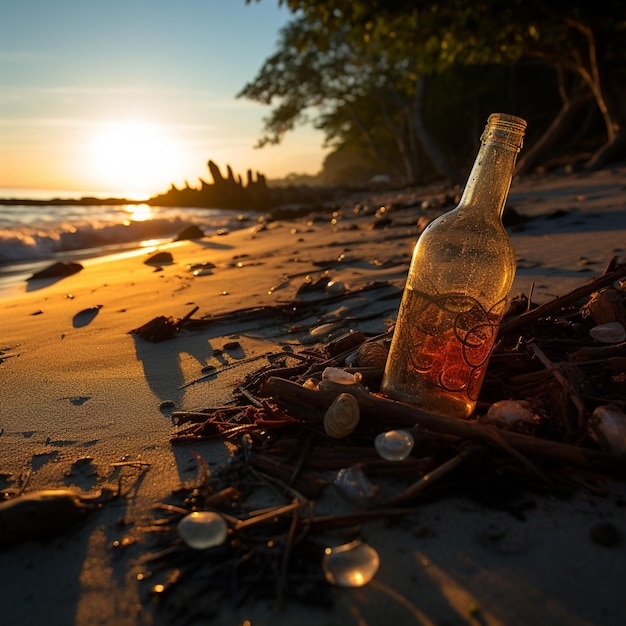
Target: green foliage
x=355 y=69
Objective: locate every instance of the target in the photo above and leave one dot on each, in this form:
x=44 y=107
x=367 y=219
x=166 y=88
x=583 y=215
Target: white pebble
x=609 y=428
x=510 y=413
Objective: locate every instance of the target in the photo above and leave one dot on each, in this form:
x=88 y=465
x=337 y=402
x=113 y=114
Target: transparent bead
x=353 y=564
x=203 y=529
x=394 y=445
x=354 y=486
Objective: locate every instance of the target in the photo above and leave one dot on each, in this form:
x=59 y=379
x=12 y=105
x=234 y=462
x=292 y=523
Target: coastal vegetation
x=403 y=87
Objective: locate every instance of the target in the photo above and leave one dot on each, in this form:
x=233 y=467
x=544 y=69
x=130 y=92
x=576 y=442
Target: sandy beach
x=86 y=405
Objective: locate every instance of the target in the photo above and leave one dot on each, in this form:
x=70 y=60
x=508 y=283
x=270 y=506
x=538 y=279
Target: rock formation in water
x=223 y=193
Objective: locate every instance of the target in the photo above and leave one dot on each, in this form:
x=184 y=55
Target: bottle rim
x=505 y=129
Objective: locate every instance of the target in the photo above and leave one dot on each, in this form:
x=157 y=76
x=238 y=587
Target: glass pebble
x=394 y=445
x=203 y=529
x=354 y=486
x=353 y=564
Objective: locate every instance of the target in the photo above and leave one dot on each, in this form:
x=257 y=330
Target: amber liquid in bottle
x=461 y=272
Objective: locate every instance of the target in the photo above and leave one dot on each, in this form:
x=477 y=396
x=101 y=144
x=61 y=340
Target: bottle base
x=442 y=404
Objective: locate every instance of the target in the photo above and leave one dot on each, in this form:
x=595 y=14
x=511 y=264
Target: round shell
x=342 y=416
x=605 y=306
x=372 y=355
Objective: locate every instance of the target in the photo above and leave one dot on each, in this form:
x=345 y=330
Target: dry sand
x=76 y=385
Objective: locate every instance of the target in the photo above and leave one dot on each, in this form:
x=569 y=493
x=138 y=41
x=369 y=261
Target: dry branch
x=554 y=306
x=391 y=414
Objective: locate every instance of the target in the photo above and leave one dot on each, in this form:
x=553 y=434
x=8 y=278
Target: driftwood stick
x=391 y=414
x=562 y=380
x=607 y=278
x=428 y=479
x=328 y=522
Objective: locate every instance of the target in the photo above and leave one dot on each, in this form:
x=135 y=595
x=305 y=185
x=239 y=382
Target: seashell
x=354 y=486
x=372 y=355
x=203 y=529
x=612 y=332
x=608 y=427
x=342 y=416
x=324 y=329
x=510 y=414
x=605 y=306
x=353 y=564
x=337 y=375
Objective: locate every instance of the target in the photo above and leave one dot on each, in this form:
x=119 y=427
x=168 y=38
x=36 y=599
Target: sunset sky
x=124 y=97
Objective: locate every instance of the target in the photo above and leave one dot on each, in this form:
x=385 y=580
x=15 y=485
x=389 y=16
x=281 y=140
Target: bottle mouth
x=506 y=129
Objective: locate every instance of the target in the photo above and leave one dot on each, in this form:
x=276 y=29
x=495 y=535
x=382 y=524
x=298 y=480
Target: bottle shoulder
x=465 y=229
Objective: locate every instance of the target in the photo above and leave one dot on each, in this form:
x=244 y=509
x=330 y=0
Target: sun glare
x=138 y=213
x=136 y=159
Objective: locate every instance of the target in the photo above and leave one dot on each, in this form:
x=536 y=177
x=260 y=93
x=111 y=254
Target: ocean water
x=32 y=237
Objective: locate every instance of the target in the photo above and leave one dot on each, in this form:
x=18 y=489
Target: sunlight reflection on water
x=138 y=213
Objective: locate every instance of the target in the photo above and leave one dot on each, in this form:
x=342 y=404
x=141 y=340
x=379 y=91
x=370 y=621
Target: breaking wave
x=46 y=233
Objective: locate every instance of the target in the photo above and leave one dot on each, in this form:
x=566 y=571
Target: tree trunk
x=594 y=74
x=431 y=146
x=399 y=136
x=556 y=132
x=369 y=138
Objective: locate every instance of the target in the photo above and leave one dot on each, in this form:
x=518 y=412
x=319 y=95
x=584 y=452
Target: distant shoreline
x=84 y=201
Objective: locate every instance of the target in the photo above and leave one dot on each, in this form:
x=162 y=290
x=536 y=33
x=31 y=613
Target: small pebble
x=611 y=332
x=160 y=257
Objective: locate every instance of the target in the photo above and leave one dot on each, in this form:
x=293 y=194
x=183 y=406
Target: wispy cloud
x=45 y=122
x=61 y=122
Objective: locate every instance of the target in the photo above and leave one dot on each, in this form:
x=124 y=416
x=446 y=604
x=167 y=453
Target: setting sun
x=137 y=158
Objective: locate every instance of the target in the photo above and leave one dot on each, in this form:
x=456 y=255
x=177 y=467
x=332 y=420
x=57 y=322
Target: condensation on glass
x=462 y=269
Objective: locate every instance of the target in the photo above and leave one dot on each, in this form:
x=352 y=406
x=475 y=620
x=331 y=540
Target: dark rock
x=190 y=232
x=160 y=257
x=58 y=270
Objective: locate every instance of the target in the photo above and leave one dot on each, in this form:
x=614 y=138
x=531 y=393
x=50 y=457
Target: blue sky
x=84 y=84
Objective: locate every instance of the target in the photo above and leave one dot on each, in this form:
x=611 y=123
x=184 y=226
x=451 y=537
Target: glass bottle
x=462 y=270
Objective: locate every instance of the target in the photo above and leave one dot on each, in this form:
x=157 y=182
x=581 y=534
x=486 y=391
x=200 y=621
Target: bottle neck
x=490 y=178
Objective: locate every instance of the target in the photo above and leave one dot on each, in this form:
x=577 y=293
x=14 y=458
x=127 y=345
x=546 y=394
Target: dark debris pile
x=546 y=360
